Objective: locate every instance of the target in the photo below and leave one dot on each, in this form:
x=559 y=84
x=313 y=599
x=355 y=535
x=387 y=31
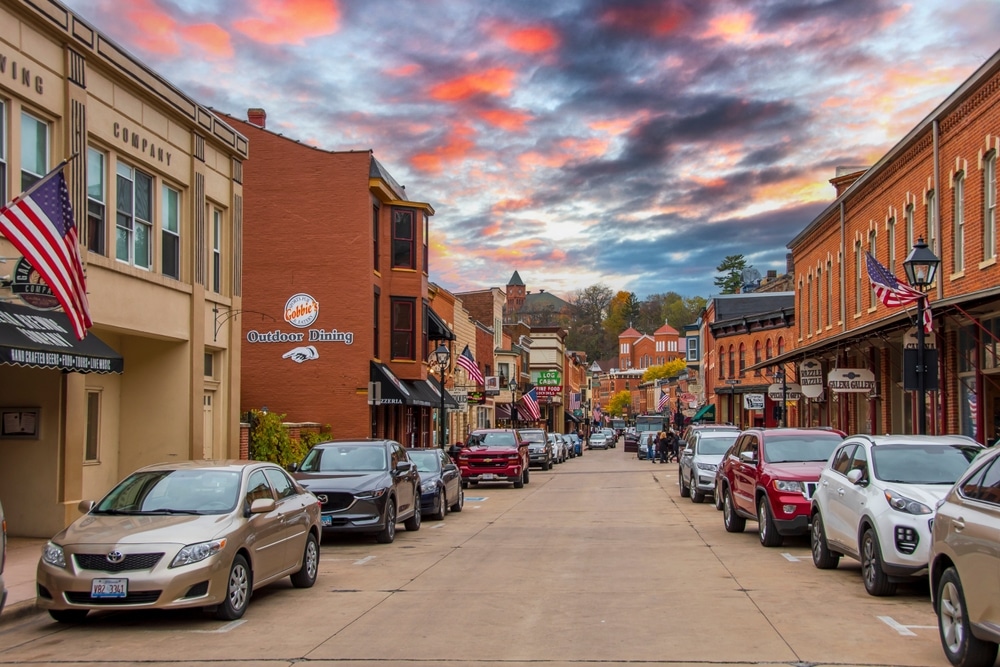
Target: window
x=732 y=362
x=403 y=239
x=909 y=227
x=722 y=362
x=403 y=328
x=96 y=198
x=427 y=227
x=3 y=152
x=857 y=277
x=34 y=150
x=258 y=488
x=990 y=206
x=872 y=299
x=781 y=345
x=756 y=356
x=819 y=300
x=890 y=232
x=171 y=233
x=801 y=306
x=375 y=235
x=92 y=450
x=217 y=251
x=134 y=216
x=959 y=224
x=932 y=222
x=743 y=360
x=829 y=293
x=768 y=350
x=807 y=320
x=209 y=365
x=375 y=348
x=282 y=486
x=692 y=348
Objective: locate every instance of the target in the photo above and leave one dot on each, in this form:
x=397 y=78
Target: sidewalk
x=19 y=576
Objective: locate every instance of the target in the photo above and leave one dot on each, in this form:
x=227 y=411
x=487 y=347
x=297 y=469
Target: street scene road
x=596 y=561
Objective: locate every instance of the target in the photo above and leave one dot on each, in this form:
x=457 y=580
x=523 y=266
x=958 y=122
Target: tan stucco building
x=156 y=188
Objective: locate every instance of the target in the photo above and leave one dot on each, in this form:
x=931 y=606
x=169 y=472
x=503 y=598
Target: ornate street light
x=513 y=402
x=440 y=358
x=921 y=267
x=779 y=375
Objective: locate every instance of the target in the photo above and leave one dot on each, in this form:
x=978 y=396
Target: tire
x=717 y=499
x=388 y=532
x=876 y=580
x=460 y=503
x=519 y=482
x=696 y=495
x=306 y=576
x=412 y=524
x=733 y=522
x=548 y=465
x=960 y=646
x=823 y=558
x=767 y=530
x=465 y=484
x=68 y=615
x=685 y=491
x=527 y=476
x=239 y=586
x=442 y=507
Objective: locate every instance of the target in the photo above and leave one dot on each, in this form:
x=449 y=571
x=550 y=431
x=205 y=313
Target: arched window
x=722 y=362
x=756 y=355
x=807 y=320
x=732 y=362
x=767 y=350
x=819 y=300
x=781 y=345
x=990 y=205
x=743 y=360
x=958 y=222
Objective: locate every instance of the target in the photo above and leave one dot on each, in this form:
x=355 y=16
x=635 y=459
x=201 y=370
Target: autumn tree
x=664 y=371
x=588 y=309
x=620 y=401
x=731 y=269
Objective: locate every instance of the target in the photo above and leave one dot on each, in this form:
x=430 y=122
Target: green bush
x=309 y=439
x=270 y=440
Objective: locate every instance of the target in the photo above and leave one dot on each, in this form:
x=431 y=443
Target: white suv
x=875 y=502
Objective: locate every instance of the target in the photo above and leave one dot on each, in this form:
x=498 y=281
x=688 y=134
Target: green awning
x=705 y=412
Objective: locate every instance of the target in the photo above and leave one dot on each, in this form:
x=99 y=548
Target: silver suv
x=699 y=461
x=539 y=447
x=965 y=564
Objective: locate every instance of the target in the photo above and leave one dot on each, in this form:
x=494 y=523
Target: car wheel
x=527 y=475
x=823 y=558
x=696 y=495
x=519 y=482
x=733 y=522
x=960 y=646
x=442 y=507
x=717 y=499
x=460 y=503
x=465 y=484
x=388 y=532
x=766 y=528
x=548 y=465
x=238 y=588
x=685 y=491
x=68 y=615
x=412 y=524
x=876 y=580
x=306 y=576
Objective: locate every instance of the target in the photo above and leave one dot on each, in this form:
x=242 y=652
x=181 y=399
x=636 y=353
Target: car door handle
x=958 y=523
x=840 y=491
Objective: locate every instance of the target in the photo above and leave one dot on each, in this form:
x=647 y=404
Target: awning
x=705 y=412
x=45 y=339
x=434 y=387
x=571 y=417
x=502 y=410
x=422 y=394
x=436 y=328
x=390 y=388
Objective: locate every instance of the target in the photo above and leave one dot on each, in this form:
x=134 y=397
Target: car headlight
x=54 y=555
x=706 y=466
x=195 y=553
x=789 y=486
x=904 y=504
x=427 y=487
x=369 y=495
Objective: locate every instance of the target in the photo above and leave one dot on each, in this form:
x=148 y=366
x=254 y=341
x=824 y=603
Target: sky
x=631 y=143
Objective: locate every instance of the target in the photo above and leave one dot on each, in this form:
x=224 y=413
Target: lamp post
x=513 y=402
x=440 y=357
x=921 y=267
x=780 y=375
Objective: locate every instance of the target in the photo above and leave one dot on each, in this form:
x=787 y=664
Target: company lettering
x=55 y=359
x=300 y=310
x=276 y=336
x=21 y=74
x=334 y=336
x=313 y=336
x=851 y=384
x=142 y=144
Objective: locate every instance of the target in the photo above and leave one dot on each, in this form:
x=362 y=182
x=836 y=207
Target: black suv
x=539 y=447
x=363 y=486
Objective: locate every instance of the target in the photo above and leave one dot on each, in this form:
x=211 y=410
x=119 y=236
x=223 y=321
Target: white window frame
x=990 y=206
x=909 y=214
x=97 y=201
x=125 y=172
x=890 y=232
x=872 y=299
x=170 y=230
x=958 y=256
x=932 y=222
x=34 y=177
x=217 y=231
x=857 y=278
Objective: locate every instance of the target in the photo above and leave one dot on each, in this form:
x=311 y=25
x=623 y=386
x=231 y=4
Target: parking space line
x=222 y=629
x=437 y=525
x=904 y=630
x=364 y=560
x=790 y=558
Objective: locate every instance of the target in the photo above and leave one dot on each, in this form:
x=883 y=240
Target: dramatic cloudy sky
x=630 y=142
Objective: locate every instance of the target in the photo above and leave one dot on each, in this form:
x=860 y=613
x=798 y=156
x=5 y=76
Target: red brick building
x=335 y=317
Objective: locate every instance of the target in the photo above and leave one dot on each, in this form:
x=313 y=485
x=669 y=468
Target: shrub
x=270 y=440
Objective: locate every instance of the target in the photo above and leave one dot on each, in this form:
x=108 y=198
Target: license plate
x=109 y=588
x=488 y=475
x=326 y=520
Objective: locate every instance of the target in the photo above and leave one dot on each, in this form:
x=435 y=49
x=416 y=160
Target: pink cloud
x=458 y=147
x=657 y=20
x=497 y=81
x=505 y=118
x=290 y=21
x=532 y=40
x=211 y=38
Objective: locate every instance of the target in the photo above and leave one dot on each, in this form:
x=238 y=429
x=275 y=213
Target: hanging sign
x=753 y=401
x=910 y=340
x=791 y=392
x=856 y=380
x=811 y=378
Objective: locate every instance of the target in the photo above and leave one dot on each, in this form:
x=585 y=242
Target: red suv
x=494 y=455
x=770 y=475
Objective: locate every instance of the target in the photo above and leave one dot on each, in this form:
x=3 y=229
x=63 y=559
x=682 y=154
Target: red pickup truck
x=494 y=455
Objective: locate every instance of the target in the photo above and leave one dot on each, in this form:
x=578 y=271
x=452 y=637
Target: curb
x=16 y=611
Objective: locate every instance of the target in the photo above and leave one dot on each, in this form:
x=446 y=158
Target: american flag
x=466 y=361
x=893 y=293
x=662 y=402
x=39 y=223
x=530 y=401
x=597 y=413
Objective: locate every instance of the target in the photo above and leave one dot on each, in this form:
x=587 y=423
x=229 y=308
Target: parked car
x=184 y=534
x=717 y=497
x=575 y=444
x=3 y=557
x=631 y=440
x=646 y=449
x=770 y=477
x=559 y=453
x=440 y=482
x=875 y=497
x=598 y=440
x=965 y=565
x=540 y=451
x=612 y=437
x=699 y=461
x=692 y=430
x=364 y=486
x=495 y=455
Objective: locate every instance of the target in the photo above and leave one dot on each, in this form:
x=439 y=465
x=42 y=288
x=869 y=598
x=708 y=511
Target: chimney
x=789 y=264
x=257 y=117
x=772 y=273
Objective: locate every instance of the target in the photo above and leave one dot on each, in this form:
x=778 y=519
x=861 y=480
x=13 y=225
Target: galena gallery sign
x=856 y=380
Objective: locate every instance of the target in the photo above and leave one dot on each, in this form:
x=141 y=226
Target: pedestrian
x=664 y=448
x=661 y=447
x=675 y=445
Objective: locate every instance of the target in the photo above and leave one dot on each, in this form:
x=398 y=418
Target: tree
x=664 y=371
x=731 y=268
x=618 y=403
x=623 y=310
x=682 y=312
x=588 y=309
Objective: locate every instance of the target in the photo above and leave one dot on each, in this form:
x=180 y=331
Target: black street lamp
x=440 y=358
x=513 y=402
x=921 y=267
x=780 y=375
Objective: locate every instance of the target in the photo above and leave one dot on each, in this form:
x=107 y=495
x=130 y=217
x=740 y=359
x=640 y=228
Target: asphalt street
x=599 y=561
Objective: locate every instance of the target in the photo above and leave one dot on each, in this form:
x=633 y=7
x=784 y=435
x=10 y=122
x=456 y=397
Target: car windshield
x=716 y=444
x=800 y=447
x=348 y=457
x=173 y=492
x=533 y=436
x=922 y=464
x=427 y=460
x=497 y=440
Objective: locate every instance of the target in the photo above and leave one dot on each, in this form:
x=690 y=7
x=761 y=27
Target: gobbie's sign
x=301 y=310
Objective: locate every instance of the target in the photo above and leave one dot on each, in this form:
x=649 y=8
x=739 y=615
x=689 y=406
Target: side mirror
x=688 y=451
x=85 y=506
x=856 y=476
x=748 y=457
x=293 y=467
x=262 y=506
x=525 y=443
x=404 y=466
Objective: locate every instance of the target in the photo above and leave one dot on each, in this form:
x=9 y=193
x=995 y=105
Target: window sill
x=956 y=275
x=986 y=263
x=872 y=309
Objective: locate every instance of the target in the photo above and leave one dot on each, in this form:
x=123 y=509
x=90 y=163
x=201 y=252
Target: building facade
x=156 y=186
